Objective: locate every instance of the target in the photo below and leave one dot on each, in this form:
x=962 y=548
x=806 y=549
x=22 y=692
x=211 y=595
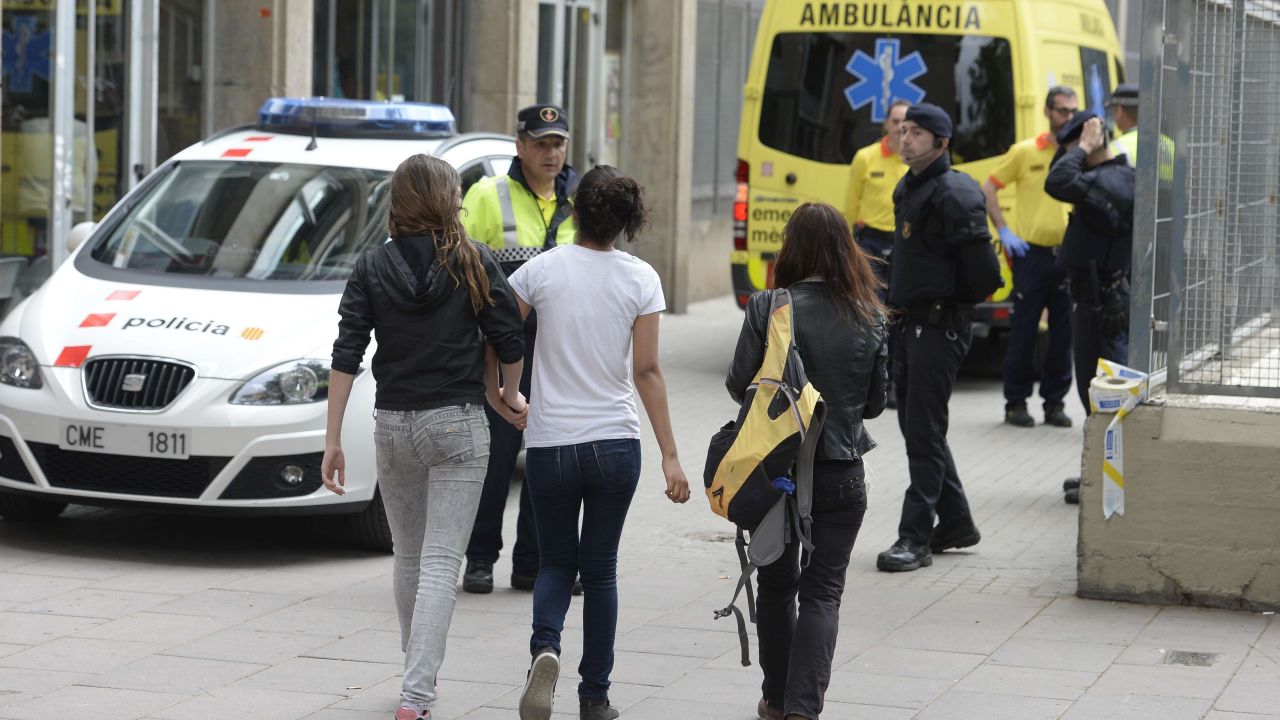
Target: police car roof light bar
x=336 y=117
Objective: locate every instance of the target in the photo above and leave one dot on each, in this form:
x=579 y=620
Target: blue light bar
x=334 y=117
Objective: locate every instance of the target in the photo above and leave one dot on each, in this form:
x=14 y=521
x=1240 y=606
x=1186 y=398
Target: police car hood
x=225 y=334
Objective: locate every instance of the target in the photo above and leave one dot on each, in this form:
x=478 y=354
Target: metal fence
x=1206 y=305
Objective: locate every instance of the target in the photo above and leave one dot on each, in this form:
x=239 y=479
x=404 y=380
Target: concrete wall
x=710 y=241
x=1202 y=499
x=501 y=64
x=263 y=50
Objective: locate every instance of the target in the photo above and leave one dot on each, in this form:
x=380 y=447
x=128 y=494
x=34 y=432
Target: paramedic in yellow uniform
x=1038 y=283
x=877 y=168
x=519 y=215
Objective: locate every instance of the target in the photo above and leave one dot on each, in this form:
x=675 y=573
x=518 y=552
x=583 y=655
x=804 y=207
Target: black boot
x=597 y=710
x=955 y=535
x=478 y=578
x=1056 y=415
x=1071 y=491
x=1018 y=416
x=905 y=555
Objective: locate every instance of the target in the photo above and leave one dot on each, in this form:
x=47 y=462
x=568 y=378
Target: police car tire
x=369 y=529
x=20 y=508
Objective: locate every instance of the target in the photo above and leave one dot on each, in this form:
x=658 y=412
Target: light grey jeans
x=431 y=468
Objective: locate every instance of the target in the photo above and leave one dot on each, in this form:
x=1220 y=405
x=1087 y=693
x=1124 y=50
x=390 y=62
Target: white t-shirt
x=587 y=303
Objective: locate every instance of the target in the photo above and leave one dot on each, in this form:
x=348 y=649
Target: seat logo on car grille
x=133 y=382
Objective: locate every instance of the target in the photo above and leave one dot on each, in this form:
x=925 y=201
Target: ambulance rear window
x=826 y=94
x=251 y=221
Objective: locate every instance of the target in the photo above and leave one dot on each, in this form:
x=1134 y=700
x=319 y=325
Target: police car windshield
x=826 y=94
x=251 y=221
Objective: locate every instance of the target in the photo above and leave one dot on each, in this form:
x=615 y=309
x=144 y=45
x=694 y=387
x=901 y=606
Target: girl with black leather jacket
x=840 y=335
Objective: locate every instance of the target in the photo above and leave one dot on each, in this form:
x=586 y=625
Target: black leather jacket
x=1101 y=227
x=844 y=358
x=430 y=342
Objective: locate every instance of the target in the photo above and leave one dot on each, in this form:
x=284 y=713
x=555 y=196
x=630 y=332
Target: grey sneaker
x=540 y=688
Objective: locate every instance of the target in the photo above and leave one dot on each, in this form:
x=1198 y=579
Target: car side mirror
x=79 y=233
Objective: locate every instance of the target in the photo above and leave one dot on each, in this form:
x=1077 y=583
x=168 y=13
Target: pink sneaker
x=413 y=711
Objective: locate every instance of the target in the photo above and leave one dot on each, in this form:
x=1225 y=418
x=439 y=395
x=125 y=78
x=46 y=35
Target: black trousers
x=1089 y=343
x=504 y=448
x=1039 y=284
x=927 y=360
x=797 y=644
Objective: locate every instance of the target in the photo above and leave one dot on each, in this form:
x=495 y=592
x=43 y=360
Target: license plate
x=134 y=440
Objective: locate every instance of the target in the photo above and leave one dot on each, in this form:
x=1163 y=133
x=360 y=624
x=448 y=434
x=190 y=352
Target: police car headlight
x=18 y=364
x=291 y=383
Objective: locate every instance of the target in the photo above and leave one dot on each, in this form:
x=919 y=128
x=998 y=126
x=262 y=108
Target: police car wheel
x=20 y=508
x=369 y=529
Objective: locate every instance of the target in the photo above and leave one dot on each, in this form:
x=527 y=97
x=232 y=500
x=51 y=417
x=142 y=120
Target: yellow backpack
x=773 y=438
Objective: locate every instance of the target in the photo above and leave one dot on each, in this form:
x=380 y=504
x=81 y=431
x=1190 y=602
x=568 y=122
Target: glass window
x=807 y=111
x=256 y=221
x=470 y=176
x=1097 y=79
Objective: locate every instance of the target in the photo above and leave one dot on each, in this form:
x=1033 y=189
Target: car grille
x=100 y=472
x=105 y=382
x=11 y=464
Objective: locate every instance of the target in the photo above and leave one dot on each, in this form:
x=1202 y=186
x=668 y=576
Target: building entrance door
x=572 y=71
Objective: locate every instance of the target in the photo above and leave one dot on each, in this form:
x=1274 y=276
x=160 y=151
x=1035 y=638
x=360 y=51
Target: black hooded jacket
x=430 y=342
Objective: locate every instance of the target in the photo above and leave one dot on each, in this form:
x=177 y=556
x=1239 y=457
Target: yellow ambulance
x=824 y=74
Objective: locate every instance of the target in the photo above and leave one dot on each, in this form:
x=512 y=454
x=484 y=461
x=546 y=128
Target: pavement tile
x=456 y=698
x=885 y=690
x=174 y=579
x=675 y=641
x=369 y=595
x=7 y=649
x=1164 y=680
x=34 y=628
x=665 y=709
x=91 y=702
x=963 y=705
x=1056 y=655
x=233 y=604
x=242 y=703
x=287 y=581
x=1028 y=682
x=712 y=686
x=161 y=628
x=178 y=675
x=80 y=567
x=313 y=675
x=655 y=669
x=1174 y=627
x=473 y=623
x=24 y=588
x=337 y=714
x=1221 y=715
x=912 y=663
x=248 y=646
x=96 y=603
x=1104 y=706
x=18 y=685
x=319 y=621
x=490 y=713
x=363 y=646
x=1255 y=687
x=966 y=625
x=80 y=655
x=1107 y=624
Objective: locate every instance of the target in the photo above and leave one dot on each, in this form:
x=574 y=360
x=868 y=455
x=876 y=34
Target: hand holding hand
x=1091 y=136
x=1016 y=246
x=677 y=485
x=333 y=469
x=518 y=418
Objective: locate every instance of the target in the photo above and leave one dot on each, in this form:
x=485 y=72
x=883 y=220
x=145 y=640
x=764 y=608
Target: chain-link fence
x=1206 y=296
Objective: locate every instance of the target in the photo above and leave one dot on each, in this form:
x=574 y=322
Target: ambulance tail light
x=740 y=207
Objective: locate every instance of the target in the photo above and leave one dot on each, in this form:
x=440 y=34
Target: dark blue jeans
x=1039 y=285
x=598 y=480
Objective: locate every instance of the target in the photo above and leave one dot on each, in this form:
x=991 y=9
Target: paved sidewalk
x=112 y=615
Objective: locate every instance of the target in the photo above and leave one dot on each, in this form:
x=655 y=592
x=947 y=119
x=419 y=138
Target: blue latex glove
x=1016 y=246
x=784 y=484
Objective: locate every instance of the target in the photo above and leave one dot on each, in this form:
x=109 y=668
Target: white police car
x=180 y=358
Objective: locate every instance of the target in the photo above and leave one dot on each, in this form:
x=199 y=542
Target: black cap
x=1071 y=131
x=931 y=118
x=542 y=120
x=1126 y=95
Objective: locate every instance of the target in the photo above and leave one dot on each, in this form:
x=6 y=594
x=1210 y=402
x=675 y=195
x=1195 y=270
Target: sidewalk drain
x=1190 y=659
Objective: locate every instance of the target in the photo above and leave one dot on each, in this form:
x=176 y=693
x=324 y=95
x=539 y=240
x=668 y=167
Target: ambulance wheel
x=21 y=508
x=369 y=529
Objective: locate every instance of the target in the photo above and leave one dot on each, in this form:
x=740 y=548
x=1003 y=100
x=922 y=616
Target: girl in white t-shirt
x=598 y=311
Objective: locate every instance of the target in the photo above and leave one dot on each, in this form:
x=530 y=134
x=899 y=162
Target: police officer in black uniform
x=943 y=263
x=1099 y=242
x=1096 y=250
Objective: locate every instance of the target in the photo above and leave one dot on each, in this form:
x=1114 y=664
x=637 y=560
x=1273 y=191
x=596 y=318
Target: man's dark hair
x=1055 y=91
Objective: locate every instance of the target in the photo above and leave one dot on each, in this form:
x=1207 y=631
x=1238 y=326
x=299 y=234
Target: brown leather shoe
x=766 y=712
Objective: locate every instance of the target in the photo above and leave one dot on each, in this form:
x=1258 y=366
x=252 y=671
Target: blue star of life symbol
x=884 y=78
x=26 y=54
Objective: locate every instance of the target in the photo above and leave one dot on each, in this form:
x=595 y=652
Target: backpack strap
x=803 y=505
x=744 y=584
